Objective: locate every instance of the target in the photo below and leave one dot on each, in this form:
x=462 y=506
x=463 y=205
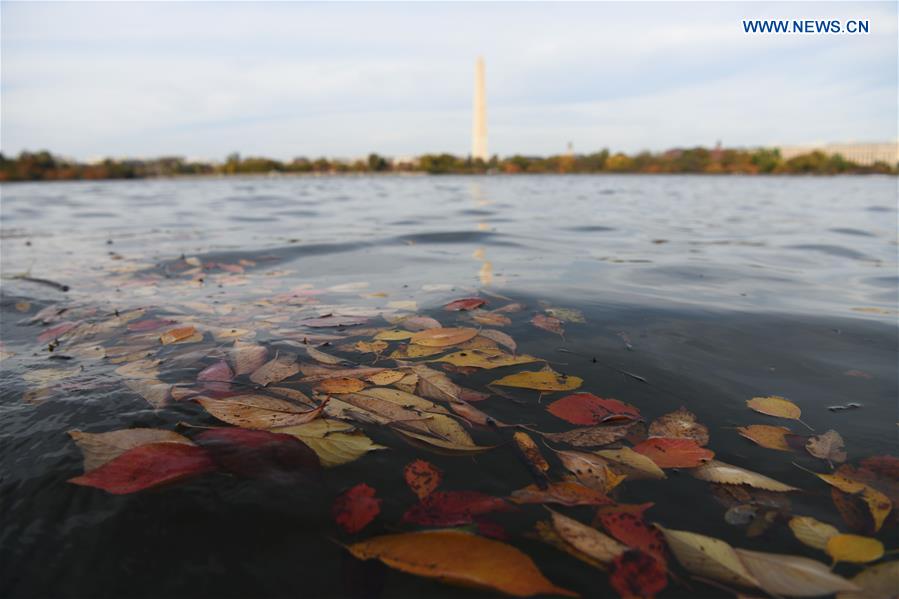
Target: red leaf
x=355 y=508
x=259 y=454
x=587 y=409
x=452 y=507
x=148 y=466
x=468 y=303
x=637 y=575
x=674 y=453
x=422 y=477
x=626 y=523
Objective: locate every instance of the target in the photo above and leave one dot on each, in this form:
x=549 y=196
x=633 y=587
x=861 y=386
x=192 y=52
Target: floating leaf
x=443 y=337
x=178 y=334
x=435 y=385
x=811 y=532
x=567 y=314
x=258 y=411
x=877 y=582
x=770 y=437
x=487 y=359
x=563 y=493
x=490 y=319
x=680 y=424
x=719 y=472
x=468 y=303
x=634 y=465
x=146 y=467
x=275 y=370
x=775 y=405
x=322 y=357
x=878 y=504
x=460 y=558
x=792 y=575
x=827 y=446
x=450 y=508
x=439 y=445
x=587 y=539
x=708 y=557
x=371 y=347
x=334 y=442
x=218 y=372
x=674 y=453
x=854 y=548
x=387 y=377
x=591 y=436
x=258 y=454
x=626 y=523
x=590 y=469
x=355 y=508
x=393 y=335
x=340 y=385
x=548 y=323
x=586 y=408
x=547 y=533
x=100 y=448
x=420 y=323
x=535 y=461
x=154 y=391
x=542 y=380
x=500 y=337
x=638 y=575
x=422 y=477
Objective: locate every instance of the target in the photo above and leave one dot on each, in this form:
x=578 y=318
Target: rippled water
x=711 y=289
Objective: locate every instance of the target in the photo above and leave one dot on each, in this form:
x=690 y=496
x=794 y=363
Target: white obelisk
x=479 y=120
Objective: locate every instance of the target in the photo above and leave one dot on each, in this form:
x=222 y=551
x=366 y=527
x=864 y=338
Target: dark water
x=711 y=290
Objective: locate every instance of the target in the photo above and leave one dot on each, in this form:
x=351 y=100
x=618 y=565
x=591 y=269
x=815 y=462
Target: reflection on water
x=697 y=291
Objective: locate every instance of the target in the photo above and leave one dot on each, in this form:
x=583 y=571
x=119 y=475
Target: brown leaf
x=828 y=446
x=258 y=411
x=591 y=436
x=275 y=370
x=680 y=424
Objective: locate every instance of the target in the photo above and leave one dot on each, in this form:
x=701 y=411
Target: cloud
x=205 y=79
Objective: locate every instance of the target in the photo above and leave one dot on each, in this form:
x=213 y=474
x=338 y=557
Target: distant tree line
x=44 y=166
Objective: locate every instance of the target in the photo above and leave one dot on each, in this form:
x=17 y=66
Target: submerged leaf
x=878 y=504
x=877 y=582
x=258 y=454
x=634 y=465
x=468 y=303
x=275 y=370
x=450 y=508
x=638 y=575
x=563 y=493
x=460 y=558
x=591 y=436
x=340 y=385
x=422 y=477
x=147 y=467
x=827 y=446
x=548 y=323
x=590 y=469
x=355 y=508
x=626 y=523
x=100 y=448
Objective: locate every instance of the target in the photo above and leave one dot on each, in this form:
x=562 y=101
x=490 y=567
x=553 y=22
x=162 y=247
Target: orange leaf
x=674 y=453
x=586 y=408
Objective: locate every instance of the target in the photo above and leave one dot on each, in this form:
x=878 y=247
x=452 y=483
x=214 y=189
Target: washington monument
x=479 y=117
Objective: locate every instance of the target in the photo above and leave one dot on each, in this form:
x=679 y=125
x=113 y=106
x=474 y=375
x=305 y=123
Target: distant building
x=863 y=154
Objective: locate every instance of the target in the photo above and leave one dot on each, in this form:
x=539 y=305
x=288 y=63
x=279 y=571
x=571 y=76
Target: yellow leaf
x=854 y=548
x=543 y=380
x=811 y=532
x=394 y=335
x=334 y=441
x=442 y=337
x=371 y=347
x=878 y=504
x=775 y=406
x=460 y=558
x=770 y=437
x=485 y=358
x=414 y=351
x=180 y=335
x=258 y=411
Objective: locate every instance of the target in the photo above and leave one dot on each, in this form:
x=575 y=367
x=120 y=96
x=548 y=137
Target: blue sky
x=342 y=79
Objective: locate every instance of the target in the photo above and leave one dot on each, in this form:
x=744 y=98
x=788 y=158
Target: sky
x=202 y=80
